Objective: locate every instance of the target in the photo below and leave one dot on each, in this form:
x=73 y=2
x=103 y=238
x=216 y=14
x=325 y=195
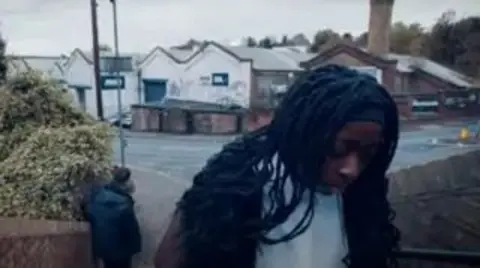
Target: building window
x=110 y=65
x=398 y=83
x=370 y=70
x=81 y=97
x=220 y=80
x=425 y=106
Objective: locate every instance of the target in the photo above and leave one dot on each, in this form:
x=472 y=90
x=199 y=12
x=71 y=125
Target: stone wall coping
x=25 y=227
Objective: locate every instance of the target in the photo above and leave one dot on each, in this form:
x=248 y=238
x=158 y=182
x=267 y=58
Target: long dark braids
x=222 y=220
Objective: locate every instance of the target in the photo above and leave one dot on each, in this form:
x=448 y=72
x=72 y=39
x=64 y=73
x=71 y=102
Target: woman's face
x=355 y=145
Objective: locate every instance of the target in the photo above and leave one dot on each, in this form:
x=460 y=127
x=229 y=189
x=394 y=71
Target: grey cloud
x=58 y=26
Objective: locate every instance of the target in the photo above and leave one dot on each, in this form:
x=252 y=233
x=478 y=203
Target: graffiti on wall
x=235 y=95
x=179 y=89
x=229 y=93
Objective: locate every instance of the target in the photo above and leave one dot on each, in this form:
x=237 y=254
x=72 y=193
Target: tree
x=456 y=43
x=266 y=43
x=466 y=39
x=285 y=41
x=347 y=37
x=403 y=37
x=300 y=40
x=322 y=38
x=251 y=42
x=361 y=40
x=439 y=41
x=3 y=60
x=104 y=48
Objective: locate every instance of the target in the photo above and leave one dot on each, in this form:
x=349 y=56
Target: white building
x=214 y=73
x=210 y=74
x=79 y=75
x=48 y=65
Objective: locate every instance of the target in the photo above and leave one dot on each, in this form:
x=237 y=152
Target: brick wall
x=210 y=123
x=44 y=244
x=438 y=205
x=146 y=119
x=175 y=121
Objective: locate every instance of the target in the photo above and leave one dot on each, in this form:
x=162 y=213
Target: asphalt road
x=163 y=166
x=181 y=156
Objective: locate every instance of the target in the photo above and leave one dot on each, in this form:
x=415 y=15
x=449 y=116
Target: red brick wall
x=174 y=121
x=208 y=123
x=258 y=119
x=388 y=77
x=404 y=105
x=146 y=119
x=436 y=206
x=39 y=243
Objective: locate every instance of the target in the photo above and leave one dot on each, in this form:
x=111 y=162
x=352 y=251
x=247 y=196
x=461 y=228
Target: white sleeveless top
x=322 y=245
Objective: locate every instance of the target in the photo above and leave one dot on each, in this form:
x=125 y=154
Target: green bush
x=49 y=150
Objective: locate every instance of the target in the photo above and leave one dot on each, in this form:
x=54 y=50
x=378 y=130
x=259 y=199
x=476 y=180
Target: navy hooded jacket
x=114 y=226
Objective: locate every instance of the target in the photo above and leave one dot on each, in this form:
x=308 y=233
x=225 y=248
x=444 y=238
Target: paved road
x=163 y=166
x=182 y=156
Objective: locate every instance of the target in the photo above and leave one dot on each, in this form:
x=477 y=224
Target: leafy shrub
x=49 y=150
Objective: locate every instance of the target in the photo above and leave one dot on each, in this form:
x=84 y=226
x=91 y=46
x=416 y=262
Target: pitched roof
x=266 y=59
x=297 y=53
x=262 y=59
x=47 y=64
x=136 y=57
x=16 y=63
x=44 y=64
x=405 y=63
x=183 y=56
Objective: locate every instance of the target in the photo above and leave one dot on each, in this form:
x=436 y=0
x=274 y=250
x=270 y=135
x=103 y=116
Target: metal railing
x=440 y=256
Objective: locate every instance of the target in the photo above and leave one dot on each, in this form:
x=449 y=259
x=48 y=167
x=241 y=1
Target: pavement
x=155 y=196
x=163 y=166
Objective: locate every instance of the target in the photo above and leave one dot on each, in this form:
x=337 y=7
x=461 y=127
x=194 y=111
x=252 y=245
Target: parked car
x=126 y=120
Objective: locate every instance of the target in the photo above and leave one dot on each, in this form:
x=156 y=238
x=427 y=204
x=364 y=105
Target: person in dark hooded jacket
x=115 y=231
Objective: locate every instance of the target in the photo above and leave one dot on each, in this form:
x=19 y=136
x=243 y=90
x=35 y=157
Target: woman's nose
x=351 y=167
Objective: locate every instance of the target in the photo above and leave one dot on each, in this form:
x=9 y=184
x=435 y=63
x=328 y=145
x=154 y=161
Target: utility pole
x=116 y=65
x=96 y=60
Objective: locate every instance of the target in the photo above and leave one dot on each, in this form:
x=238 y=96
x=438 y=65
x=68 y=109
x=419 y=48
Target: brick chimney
x=379 y=26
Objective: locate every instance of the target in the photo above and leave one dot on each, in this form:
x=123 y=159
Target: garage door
x=155 y=90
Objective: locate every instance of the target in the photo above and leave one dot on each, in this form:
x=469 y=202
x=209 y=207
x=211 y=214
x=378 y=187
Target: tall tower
x=379 y=26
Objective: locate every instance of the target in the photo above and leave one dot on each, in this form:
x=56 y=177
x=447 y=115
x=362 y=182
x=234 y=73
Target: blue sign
x=112 y=82
x=220 y=79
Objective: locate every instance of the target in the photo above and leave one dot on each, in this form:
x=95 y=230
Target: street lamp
x=117 y=74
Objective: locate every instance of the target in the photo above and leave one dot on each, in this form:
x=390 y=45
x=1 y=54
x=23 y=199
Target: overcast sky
x=49 y=27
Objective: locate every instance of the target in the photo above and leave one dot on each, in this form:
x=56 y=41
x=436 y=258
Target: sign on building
x=205 y=80
x=112 y=82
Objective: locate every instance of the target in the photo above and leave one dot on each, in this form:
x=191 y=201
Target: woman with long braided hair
x=307 y=191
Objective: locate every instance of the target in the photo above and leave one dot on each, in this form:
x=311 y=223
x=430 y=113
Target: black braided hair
x=221 y=215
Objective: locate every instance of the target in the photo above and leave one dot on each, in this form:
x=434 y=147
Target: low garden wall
x=44 y=244
x=438 y=205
